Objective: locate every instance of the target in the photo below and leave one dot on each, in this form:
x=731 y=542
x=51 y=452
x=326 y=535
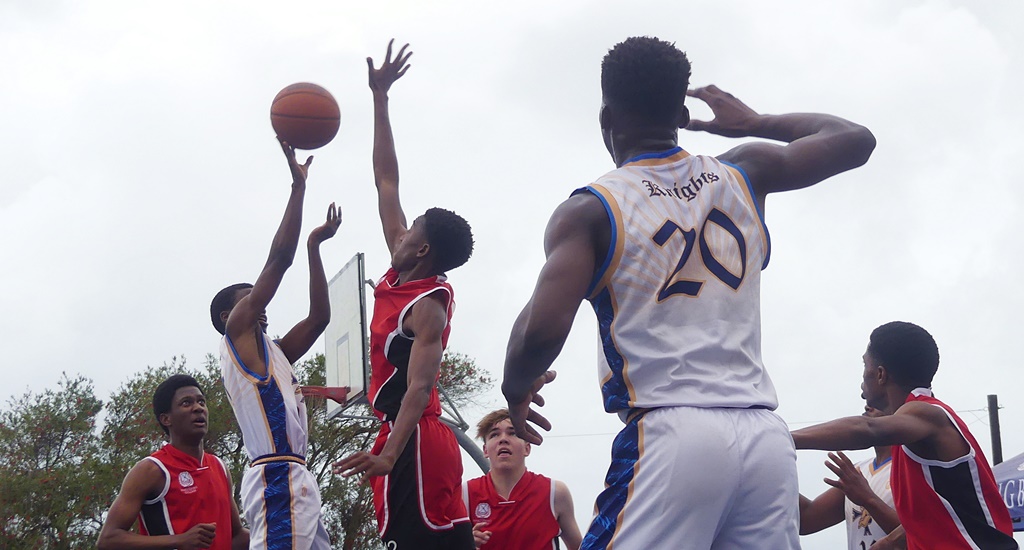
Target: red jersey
x=949 y=505
x=390 y=345
x=194 y=492
x=524 y=521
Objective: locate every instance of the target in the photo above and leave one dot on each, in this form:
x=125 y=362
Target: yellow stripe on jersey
x=618 y=238
x=751 y=200
x=244 y=371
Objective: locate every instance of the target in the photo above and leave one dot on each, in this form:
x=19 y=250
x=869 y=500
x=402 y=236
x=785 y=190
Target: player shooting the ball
x=415 y=467
x=280 y=497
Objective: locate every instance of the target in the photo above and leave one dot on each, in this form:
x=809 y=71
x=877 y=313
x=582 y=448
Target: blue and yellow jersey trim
x=670 y=156
x=749 y=195
x=616 y=242
x=242 y=368
x=875 y=466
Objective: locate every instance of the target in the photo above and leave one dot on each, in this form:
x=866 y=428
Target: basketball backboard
x=346 y=356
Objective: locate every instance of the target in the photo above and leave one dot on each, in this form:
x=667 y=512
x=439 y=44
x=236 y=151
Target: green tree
x=48 y=455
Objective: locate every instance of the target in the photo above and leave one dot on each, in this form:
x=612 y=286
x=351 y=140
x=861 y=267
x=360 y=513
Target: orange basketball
x=305 y=115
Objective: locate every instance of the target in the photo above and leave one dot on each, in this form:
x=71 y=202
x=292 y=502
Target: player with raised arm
x=280 y=496
x=181 y=495
x=668 y=249
x=511 y=507
x=415 y=467
x=860 y=495
x=942 y=485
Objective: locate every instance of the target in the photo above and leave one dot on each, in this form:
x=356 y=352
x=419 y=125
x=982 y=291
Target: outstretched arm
x=818 y=146
x=145 y=481
x=566 y=517
x=385 y=161
x=426 y=322
x=913 y=422
x=821 y=513
x=246 y=313
x=301 y=337
x=571 y=244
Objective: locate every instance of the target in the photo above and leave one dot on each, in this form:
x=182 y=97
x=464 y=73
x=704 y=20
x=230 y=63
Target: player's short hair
x=907 y=352
x=492 y=419
x=164 y=395
x=646 y=77
x=224 y=301
x=450 y=238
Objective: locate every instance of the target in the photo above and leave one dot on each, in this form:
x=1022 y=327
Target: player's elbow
x=418 y=393
x=281 y=258
x=106 y=541
x=319 y=320
x=385 y=179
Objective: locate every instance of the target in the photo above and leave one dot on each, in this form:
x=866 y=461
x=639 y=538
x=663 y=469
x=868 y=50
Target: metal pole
x=469 y=446
x=993 y=422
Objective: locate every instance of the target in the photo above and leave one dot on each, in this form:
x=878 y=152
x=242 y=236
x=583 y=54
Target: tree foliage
x=46 y=442
x=64 y=453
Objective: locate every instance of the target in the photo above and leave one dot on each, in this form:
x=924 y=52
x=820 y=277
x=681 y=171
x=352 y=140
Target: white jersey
x=678 y=295
x=270 y=410
x=860 y=526
x=280 y=497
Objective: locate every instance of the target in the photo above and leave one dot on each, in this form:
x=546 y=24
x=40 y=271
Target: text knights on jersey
x=688 y=192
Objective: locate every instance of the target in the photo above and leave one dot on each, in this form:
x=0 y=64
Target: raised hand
x=381 y=79
x=299 y=171
x=520 y=411
x=329 y=227
x=851 y=481
x=732 y=117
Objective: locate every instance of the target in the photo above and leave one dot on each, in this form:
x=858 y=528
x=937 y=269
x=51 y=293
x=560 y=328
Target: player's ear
x=881 y=375
x=165 y=420
x=527 y=450
x=605 y=116
x=486 y=454
x=684 y=117
x=423 y=250
x=224 y=316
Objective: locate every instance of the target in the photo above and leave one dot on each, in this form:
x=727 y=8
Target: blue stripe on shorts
x=277 y=494
x=611 y=501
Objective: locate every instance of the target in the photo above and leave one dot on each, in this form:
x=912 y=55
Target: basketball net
x=318 y=395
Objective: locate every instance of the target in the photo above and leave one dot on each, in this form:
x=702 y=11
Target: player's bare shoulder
x=146 y=478
x=581 y=217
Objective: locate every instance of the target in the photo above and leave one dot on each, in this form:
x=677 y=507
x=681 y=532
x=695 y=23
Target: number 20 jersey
x=677 y=296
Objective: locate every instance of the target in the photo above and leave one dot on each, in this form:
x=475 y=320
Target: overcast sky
x=140 y=175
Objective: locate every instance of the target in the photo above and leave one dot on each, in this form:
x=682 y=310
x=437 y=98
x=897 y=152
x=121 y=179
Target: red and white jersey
x=861 y=528
x=677 y=297
x=949 y=505
x=195 y=491
x=390 y=345
x=526 y=520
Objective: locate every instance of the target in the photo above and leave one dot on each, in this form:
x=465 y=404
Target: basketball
x=305 y=115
